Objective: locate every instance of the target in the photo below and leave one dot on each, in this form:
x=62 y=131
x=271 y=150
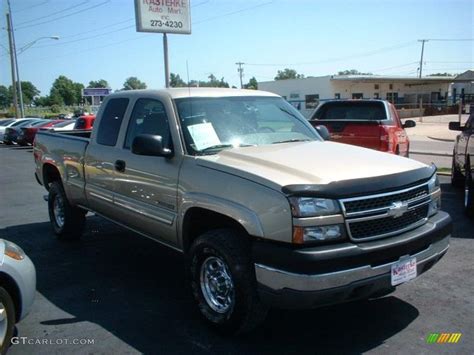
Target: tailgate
x=361 y=133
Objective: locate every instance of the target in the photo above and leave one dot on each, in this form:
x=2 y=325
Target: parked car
x=17 y=289
x=11 y=133
x=12 y=123
x=462 y=173
x=371 y=124
x=85 y=122
x=27 y=134
x=266 y=213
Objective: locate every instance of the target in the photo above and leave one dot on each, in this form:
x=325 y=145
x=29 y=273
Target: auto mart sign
x=163 y=16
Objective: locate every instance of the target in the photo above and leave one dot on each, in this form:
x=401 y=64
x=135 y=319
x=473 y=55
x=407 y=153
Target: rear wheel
x=67 y=221
x=456 y=176
x=223 y=281
x=7 y=320
x=469 y=192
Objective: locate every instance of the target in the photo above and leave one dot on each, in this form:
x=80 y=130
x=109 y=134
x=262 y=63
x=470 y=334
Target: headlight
x=435 y=192
x=433 y=184
x=13 y=251
x=313 y=207
x=303 y=235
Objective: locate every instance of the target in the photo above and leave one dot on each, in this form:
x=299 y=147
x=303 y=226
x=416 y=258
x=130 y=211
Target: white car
x=17 y=289
x=63 y=126
x=13 y=123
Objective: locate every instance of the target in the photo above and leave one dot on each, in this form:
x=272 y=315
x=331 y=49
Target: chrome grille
x=385 y=200
x=383 y=215
x=385 y=226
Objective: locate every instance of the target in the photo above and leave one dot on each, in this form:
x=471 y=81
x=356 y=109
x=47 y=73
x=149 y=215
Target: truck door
x=101 y=155
x=463 y=141
x=146 y=188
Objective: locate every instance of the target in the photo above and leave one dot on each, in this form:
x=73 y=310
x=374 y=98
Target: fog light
x=303 y=235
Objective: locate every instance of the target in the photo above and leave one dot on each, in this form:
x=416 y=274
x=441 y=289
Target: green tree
x=5 y=97
x=101 y=83
x=252 y=84
x=352 y=72
x=29 y=92
x=288 y=74
x=176 y=81
x=133 y=83
x=65 y=92
x=43 y=101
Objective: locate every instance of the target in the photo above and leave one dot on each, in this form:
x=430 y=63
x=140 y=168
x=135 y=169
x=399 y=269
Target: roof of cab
x=178 y=93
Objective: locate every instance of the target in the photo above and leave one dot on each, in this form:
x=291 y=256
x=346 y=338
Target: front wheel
x=223 y=281
x=67 y=221
x=7 y=320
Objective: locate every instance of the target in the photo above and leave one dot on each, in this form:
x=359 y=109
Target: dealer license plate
x=403 y=271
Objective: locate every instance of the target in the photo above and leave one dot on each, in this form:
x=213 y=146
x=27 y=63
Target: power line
x=54 y=13
x=61 y=17
x=31 y=7
x=450 y=39
x=233 y=12
x=377 y=51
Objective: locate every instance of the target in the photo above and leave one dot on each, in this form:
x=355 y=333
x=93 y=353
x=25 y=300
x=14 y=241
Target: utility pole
x=13 y=66
x=422 y=51
x=167 y=67
x=241 y=73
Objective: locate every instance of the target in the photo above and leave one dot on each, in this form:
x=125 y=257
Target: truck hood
x=300 y=163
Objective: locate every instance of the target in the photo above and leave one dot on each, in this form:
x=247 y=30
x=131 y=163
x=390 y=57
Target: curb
x=443 y=173
x=440 y=154
x=442 y=139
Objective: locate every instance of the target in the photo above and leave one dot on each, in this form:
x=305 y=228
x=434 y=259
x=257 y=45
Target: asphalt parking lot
x=128 y=295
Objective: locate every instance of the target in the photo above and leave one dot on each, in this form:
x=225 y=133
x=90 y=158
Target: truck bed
x=64 y=150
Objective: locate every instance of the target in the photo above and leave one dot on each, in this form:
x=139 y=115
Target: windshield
x=5 y=122
x=351 y=111
x=212 y=124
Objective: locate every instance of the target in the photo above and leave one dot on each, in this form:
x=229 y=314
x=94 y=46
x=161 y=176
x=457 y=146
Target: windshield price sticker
x=163 y=16
x=204 y=135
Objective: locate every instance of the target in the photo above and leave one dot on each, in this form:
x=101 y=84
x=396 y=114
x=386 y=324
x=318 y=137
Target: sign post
x=163 y=16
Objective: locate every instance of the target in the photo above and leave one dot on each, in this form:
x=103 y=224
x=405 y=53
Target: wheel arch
x=50 y=174
x=13 y=290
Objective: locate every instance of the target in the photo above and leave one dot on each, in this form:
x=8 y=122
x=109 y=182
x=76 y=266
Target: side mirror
x=409 y=124
x=323 y=132
x=455 y=126
x=149 y=144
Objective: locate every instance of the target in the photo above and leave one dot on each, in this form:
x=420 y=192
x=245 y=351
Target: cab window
x=148 y=117
x=111 y=121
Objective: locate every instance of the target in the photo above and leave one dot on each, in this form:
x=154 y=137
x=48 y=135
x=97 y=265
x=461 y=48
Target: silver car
x=17 y=289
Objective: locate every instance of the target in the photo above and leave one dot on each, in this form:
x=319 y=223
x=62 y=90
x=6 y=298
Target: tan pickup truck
x=266 y=210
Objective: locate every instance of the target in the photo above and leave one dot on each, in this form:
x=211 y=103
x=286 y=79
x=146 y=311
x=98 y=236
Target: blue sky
x=99 y=40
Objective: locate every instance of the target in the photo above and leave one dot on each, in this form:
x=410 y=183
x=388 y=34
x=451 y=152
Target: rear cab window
x=352 y=111
x=111 y=121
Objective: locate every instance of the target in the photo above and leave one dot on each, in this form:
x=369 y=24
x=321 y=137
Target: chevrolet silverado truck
x=265 y=211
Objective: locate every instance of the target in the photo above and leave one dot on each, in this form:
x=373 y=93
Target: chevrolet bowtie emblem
x=397 y=209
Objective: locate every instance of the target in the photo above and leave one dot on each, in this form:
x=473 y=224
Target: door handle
x=120 y=165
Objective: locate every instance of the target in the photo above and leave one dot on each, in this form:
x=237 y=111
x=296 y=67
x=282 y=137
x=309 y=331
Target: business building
x=405 y=92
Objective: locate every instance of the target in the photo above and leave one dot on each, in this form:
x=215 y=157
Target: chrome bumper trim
x=279 y=279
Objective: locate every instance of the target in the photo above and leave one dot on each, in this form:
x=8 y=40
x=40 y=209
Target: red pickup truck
x=85 y=122
x=371 y=124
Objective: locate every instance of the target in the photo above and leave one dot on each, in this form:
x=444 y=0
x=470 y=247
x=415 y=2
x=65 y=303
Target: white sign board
x=164 y=16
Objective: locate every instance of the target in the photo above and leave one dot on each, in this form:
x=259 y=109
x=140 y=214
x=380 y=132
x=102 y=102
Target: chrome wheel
x=3 y=323
x=58 y=211
x=216 y=285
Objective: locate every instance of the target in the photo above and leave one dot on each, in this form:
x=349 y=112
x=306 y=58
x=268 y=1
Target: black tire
x=73 y=217
x=229 y=246
x=9 y=309
x=469 y=192
x=457 y=180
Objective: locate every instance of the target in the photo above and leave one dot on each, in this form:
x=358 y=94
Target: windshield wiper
x=292 y=140
x=221 y=146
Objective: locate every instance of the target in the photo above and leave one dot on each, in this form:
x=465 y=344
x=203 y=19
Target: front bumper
x=310 y=277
